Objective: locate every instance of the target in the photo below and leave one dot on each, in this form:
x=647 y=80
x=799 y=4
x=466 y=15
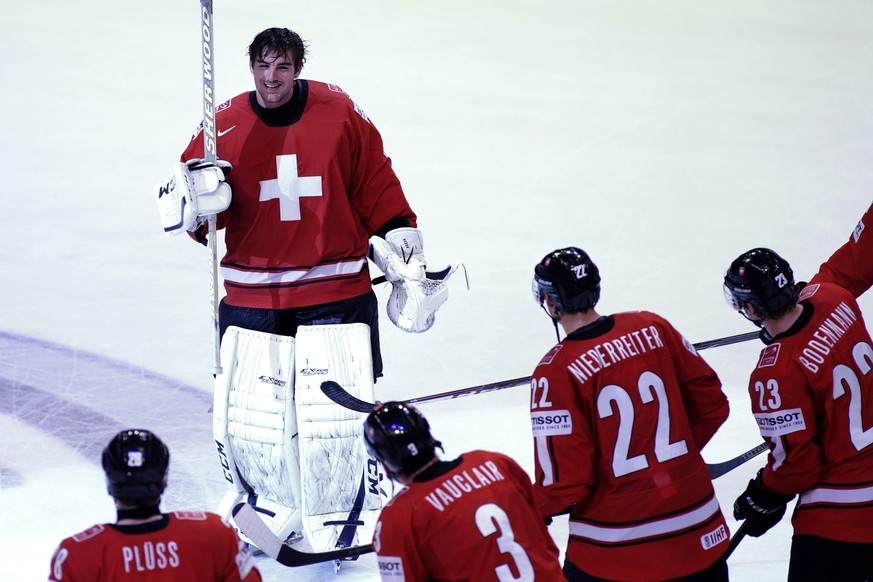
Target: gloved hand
x=761 y=508
x=416 y=294
x=196 y=190
x=200 y=164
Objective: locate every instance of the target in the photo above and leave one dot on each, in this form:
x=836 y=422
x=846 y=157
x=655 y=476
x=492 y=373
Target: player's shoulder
x=326 y=90
x=482 y=456
x=234 y=107
x=825 y=292
x=333 y=95
x=198 y=519
x=641 y=315
x=88 y=535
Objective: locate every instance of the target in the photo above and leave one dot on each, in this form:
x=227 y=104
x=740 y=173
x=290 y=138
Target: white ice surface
x=663 y=137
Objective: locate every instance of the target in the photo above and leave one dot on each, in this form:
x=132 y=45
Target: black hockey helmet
x=569 y=277
x=763 y=279
x=135 y=462
x=398 y=436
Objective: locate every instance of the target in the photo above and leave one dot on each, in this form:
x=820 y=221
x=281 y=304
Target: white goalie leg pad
x=339 y=479
x=236 y=491
x=255 y=424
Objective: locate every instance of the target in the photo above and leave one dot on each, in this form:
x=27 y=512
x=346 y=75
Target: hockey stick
x=735 y=540
x=254 y=528
x=210 y=154
x=718 y=469
x=339 y=395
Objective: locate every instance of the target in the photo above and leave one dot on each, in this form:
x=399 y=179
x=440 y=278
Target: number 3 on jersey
x=652 y=391
x=491 y=519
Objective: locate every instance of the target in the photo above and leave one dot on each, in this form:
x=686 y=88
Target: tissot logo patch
x=782 y=422
x=391 y=568
x=551 y=422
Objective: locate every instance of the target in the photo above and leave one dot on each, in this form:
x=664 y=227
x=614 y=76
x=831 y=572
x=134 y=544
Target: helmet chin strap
x=554 y=319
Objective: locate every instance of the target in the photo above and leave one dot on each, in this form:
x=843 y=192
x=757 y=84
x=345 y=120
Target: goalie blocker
x=195 y=190
x=288 y=450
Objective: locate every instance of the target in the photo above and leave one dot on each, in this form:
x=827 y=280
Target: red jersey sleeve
x=398 y=553
x=375 y=190
x=565 y=467
x=851 y=265
x=705 y=402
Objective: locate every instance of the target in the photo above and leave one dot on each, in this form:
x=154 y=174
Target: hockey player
x=620 y=410
x=313 y=194
x=145 y=544
x=310 y=185
x=473 y=518
x=812 y=396
x=851 y=265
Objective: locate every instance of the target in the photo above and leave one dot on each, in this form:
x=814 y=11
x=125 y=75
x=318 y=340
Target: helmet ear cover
x=398 y=436
x=136 y=463
x=569 y=278
x=762 y=279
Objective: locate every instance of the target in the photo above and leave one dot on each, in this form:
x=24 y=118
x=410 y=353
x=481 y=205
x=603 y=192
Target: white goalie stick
x=254 y=528
x=338 y=394
x=210 y=154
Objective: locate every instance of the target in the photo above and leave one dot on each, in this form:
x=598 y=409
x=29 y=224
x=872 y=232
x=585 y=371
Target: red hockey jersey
x=812 y=396
x=477 y=522
x=308 y=192
x=619 y=412
x=851 y=265
x=181 y=546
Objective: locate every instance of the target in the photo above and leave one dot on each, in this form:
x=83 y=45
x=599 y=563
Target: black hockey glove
x=760 y=508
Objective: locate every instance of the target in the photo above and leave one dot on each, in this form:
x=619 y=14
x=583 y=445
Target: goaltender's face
x=274 y=79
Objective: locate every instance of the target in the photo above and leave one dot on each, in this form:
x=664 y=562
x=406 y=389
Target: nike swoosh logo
x=228 y=130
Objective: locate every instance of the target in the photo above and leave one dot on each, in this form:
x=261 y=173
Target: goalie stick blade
x=254 y=528
x=339 y=395
x=716 y=470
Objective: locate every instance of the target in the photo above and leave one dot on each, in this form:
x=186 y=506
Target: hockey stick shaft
x=716 y=470
x=735 y=540
x=254 y=528
x=336 y=392
x=210 y=154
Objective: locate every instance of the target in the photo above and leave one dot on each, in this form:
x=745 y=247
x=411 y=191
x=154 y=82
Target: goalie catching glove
x=195 y=190
x=416 y=293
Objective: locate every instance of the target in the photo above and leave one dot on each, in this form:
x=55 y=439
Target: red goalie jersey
x=181 y=545
x=812 y=395
x=476 y=522
x=620 y=410
x=309 y=189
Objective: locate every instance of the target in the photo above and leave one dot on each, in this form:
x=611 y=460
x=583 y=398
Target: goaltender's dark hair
x=280 y=41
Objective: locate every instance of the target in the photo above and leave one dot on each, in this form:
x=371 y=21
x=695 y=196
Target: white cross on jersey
x=289 y=187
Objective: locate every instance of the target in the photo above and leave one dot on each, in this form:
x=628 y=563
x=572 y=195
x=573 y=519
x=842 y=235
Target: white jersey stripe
x=291 y=276
x=831 y=495
x=646 y=530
